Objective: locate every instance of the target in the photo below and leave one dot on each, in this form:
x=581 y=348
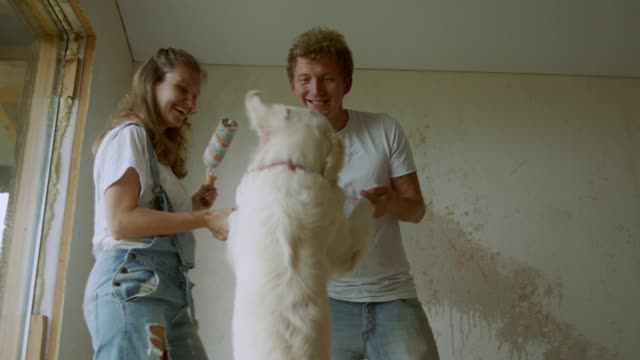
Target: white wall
x=111 y=77
x=532 y=245
x=531 y=248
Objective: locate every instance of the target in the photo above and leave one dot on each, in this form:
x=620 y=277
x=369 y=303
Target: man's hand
x=380 y=196
x=402 y=199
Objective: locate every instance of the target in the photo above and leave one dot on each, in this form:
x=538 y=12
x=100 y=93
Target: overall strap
x=184 y=243
x=161 y=199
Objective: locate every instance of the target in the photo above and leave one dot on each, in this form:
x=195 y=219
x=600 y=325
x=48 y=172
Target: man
x=375 y=310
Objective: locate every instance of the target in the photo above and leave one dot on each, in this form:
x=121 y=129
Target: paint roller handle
x=210 y=179
x=217 y=147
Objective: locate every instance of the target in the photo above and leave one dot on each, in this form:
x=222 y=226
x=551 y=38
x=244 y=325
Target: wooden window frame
x=58 y=99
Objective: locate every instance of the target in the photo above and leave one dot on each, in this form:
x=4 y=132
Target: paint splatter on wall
x=490 y=294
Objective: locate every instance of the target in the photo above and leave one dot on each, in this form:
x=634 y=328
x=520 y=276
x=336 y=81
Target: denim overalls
x=131 y=291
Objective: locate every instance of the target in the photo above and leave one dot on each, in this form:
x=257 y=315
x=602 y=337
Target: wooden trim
x=28 y=203
x=37 y=337
x=37 y=15
x=83 y=19
x=28 y=206
x=76 y=152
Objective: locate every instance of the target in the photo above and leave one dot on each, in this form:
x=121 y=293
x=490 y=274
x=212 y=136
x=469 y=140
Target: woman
x=138 y=302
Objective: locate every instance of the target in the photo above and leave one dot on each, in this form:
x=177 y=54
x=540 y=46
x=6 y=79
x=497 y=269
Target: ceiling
x=586 y=37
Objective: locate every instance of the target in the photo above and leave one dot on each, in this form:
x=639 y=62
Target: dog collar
x=288 y=163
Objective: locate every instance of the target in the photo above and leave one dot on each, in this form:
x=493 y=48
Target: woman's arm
x=126 y=220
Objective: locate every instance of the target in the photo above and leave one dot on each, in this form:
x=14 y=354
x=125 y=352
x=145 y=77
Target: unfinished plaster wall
x=531 y=248
x=535 y=225
x=111 y=77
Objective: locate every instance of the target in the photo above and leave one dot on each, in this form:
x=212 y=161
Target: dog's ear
x=335 y=158
x=263 y=117
x=255 y=110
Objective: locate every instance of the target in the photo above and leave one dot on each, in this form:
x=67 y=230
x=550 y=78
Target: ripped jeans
x=137 y=305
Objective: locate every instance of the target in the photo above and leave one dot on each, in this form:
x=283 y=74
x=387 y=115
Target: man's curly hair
x=317 y=43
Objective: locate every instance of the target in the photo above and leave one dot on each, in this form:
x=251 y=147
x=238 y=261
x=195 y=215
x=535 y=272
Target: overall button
x=124 y=270
x=115 y=283
x=133 y=256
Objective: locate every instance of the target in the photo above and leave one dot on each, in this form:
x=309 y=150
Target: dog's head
x=297 y=134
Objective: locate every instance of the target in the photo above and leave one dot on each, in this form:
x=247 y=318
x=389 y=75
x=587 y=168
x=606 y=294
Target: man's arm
x=403 y=200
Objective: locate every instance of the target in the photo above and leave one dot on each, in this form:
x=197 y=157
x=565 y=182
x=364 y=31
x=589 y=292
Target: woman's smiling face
x=176 y=95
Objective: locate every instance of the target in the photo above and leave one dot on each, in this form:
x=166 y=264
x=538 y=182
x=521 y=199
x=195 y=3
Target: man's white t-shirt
x=376 y=150
x=122 y=148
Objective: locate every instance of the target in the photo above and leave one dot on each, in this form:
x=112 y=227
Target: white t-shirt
x=123 y=148
x=376 y=150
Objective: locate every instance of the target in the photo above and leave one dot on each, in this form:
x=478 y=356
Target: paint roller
x=217 y=147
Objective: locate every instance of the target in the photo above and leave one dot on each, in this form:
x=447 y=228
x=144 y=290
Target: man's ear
x=347 y=85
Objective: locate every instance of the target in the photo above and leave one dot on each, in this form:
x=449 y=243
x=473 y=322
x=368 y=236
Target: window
x=46 y=47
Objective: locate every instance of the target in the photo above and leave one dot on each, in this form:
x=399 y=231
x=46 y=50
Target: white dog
x=289 y=234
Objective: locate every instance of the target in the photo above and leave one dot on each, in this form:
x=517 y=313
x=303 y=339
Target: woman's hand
x=217 y=222
x=204 y=197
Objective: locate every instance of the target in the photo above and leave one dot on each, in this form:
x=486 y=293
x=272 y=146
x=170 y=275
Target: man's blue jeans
x=394 y=330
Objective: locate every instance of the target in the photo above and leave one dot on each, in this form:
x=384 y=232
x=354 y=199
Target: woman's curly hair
x=140 y=105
